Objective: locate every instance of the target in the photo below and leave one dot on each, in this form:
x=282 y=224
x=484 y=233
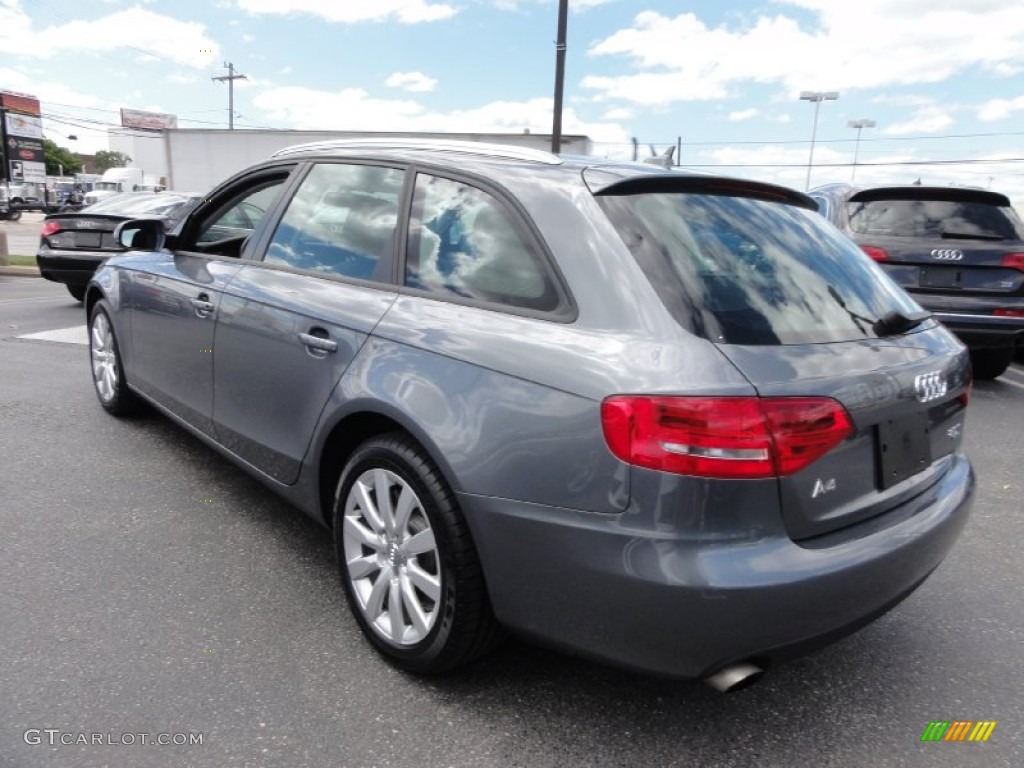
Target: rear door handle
x=203 y=305
x=318 y=343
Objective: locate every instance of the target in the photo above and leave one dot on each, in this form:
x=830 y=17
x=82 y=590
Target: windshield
x=934 y=218
x=109 y=186
x=742 y=271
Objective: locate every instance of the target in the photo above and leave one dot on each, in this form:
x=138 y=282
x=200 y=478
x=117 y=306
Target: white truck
x=114 y=182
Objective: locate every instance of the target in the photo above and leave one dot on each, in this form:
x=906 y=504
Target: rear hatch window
x=754 y=268
x=952 y=219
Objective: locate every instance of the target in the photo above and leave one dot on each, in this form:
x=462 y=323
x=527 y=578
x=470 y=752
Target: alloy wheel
x=391 y=557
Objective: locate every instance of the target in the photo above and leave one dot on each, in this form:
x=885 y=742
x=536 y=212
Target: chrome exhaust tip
x=734 y=677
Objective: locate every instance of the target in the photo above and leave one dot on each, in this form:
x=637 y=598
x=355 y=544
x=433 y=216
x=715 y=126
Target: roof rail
x=444 y=145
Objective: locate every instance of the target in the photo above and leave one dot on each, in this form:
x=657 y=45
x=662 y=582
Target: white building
x=196 y=160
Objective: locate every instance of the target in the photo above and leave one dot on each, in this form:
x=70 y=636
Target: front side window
x=464 y=243
x=240 y=217
x=342 y=221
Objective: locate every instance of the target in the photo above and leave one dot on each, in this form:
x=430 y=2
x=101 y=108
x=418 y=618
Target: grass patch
x=22 y=261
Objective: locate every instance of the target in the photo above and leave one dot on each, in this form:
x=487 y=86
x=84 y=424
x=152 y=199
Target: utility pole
x=230 y=77
x=556 y=126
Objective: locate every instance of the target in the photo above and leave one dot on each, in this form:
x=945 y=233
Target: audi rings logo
x=947 y=254
x=929 y=386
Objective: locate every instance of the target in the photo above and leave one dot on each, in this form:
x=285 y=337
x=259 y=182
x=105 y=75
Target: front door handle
x=203 y=305
x=318 y=343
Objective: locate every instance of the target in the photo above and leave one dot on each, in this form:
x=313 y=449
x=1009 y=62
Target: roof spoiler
x=951 y=194
x=707 y=185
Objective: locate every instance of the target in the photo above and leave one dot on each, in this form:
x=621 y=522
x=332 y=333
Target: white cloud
x=869 y=43
x=619 y=113
x=411 y=81
x=744 y=114
x=152 y=33
x=353 y=109
x=246 y=38
x=354 y=11
x=998 y=109
x=925 y=120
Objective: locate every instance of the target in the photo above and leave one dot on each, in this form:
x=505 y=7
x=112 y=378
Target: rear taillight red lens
x=1014 y=261
x=50 y=228
x=1001 y=312
x=726 y=437
x=878 y=254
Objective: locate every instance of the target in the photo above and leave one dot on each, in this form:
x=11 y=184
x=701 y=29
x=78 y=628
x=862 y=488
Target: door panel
x=173 y=304
x=283 y=342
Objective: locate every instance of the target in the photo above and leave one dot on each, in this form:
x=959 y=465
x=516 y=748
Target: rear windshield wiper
x=895 y=322
x=969 y=236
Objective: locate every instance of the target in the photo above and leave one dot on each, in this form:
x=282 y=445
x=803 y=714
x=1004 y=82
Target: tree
x=106 y=160
x=58 y=158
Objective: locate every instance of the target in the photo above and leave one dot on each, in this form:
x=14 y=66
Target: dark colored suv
x=674 y=422
x=958 y=251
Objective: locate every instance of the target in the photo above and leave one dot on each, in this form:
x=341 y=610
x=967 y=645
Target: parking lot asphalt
x=148 y=586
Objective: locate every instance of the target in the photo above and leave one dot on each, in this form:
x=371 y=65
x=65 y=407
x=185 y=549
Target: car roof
x=603 y=175
x=911 y=192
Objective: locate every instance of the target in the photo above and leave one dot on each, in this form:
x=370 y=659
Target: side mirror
x=141 y=235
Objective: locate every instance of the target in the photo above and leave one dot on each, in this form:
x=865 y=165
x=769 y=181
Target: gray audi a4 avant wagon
x=669 y=421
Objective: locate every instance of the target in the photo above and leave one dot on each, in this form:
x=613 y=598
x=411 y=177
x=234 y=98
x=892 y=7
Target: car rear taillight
x=725 y=437
x=50 y=228
x=1001 y=312
x=1014 y=261
x=878 y=254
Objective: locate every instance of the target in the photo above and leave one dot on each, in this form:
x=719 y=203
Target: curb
x=20 y=271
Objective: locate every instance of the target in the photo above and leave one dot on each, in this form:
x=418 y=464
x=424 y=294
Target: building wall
x=198 y=160
x=147 y=149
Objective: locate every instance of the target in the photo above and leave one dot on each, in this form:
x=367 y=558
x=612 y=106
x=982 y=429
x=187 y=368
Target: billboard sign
x=19 y=102
x=23 y=126
x=147 y=121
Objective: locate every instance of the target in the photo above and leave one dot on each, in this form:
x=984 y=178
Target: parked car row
x=671 y=421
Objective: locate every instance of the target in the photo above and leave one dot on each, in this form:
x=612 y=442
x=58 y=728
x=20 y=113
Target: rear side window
x=934 y=218
x=743 y=271
x=341 y=221
x=464 y=243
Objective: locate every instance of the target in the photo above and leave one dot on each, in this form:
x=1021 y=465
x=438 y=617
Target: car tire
x=991 y=363
x=13 y=215
x=105 y=362
x=77 y=292
x=409 y=567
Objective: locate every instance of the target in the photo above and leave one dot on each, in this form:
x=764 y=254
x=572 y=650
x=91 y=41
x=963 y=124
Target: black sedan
x=73 y=245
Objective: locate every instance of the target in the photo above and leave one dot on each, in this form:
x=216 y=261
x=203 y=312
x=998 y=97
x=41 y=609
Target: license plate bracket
x=940 y=277
x=88 y=239
x=903 y=447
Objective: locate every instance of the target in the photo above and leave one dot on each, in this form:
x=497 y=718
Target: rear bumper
x=674 y=603
x=981 y=331
x=69 y=268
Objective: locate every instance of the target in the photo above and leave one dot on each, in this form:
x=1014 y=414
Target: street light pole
x=860 y=125
x=817 y=97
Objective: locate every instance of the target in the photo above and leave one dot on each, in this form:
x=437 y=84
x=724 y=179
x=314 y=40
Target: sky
x=942 y=79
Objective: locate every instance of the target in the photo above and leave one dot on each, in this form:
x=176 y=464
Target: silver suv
x=673 y=422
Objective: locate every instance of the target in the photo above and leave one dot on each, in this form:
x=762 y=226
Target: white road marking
x=62 y=299
x=74 y=335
